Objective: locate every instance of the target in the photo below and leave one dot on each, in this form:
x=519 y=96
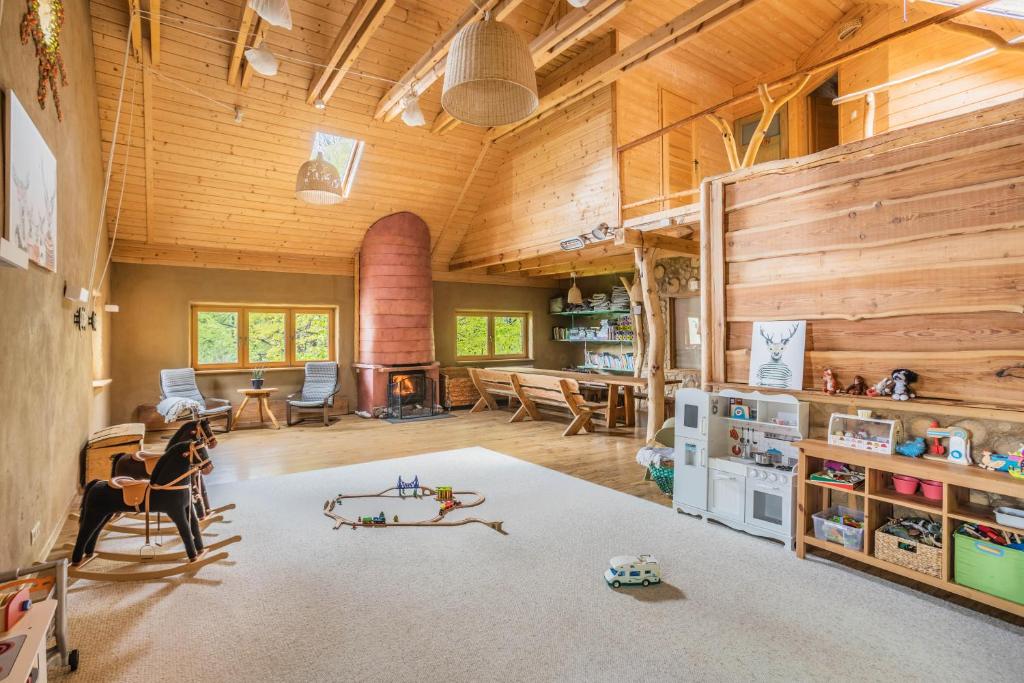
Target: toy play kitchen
x=735 y=459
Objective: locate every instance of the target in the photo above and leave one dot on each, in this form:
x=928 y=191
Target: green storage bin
x=990 y=568
x=664 y=477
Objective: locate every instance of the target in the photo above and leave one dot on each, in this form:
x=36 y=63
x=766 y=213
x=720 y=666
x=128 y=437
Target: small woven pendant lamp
x=489 y=79
x=318 y=182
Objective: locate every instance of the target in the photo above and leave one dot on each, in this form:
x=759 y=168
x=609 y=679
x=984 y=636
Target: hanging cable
x=101 y=228
x=124 y=182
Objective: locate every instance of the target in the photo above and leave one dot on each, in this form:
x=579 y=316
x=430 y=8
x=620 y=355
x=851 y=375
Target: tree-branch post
x=645 y=258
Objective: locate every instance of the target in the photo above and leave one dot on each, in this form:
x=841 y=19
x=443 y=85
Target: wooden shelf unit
x=877 y=499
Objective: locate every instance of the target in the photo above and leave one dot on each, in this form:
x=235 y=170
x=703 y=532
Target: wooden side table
x=261 y=397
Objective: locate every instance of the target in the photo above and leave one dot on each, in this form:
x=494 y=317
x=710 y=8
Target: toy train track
x=445 y=496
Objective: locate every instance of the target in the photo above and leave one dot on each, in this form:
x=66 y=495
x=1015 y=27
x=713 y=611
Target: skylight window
x=342 y=153
x=1006 y=8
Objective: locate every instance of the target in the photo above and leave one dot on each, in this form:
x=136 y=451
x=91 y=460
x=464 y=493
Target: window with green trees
x=264 y=336
x=489 y=335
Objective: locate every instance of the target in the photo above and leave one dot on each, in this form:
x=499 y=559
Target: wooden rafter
x=700 y=18
x=136 y=28
x=148 y=161
x=825 y=65
x=360 y=25
x=574 y=26
x=154 y=32
x=244 y=24
x=641 y=239
x=259 y=34
x=621 y=263
x=991 y=37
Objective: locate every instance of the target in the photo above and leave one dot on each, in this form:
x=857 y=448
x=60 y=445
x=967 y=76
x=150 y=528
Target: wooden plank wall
x=557 y=179
x=905 y=250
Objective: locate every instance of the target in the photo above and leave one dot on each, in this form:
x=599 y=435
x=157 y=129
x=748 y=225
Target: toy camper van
x=632 y=569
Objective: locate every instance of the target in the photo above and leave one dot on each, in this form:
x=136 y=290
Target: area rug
x=301 y=601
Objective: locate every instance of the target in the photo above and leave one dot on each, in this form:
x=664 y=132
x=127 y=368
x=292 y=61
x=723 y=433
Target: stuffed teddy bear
x=902 y=379
x=859 y=386
x=828 y=380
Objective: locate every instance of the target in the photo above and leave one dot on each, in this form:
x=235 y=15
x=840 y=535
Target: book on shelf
x=847 y=481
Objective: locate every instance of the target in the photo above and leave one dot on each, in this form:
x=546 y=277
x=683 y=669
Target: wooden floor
x=605 y=458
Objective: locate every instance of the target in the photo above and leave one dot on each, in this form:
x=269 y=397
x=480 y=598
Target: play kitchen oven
x=770 y=499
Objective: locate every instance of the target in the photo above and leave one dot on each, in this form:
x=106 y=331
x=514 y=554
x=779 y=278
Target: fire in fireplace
x=411 y=394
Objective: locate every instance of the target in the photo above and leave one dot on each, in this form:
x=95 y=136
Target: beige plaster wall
x=47 y=402
x=152 y=330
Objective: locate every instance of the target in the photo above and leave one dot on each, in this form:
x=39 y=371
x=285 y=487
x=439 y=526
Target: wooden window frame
x=243 y=311
x=491 y=315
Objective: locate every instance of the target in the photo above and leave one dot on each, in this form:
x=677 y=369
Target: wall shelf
x=606 y=314
x=100 y=383
x=594 y=341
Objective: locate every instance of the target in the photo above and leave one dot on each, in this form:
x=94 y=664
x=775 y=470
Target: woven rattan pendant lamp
x=318 y=182
x=489 y=78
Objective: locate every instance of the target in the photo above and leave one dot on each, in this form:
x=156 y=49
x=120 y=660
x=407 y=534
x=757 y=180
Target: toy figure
x=936 y=448
x=998 y=462
x=912 y=449
x=828 y=380
x=883 y=388
x=859 y=386
x=902 y=379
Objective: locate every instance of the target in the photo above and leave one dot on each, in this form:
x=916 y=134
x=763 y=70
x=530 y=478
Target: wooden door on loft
x=823 y=117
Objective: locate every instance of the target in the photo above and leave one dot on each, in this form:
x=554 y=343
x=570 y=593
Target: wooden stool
x=262 y=397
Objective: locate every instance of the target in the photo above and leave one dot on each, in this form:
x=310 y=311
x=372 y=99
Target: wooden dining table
x=628 y=384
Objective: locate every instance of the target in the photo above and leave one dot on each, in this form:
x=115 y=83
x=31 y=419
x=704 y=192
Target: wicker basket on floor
x=910 y=554
x=663 y=477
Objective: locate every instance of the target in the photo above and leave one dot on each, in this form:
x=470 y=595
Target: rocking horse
x=168 y=490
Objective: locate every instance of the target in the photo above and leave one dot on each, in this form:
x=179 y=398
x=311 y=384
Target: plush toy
x=828 y=380
x=859 y=386
x=912 y=449
x=883 y=388
x=902 y=379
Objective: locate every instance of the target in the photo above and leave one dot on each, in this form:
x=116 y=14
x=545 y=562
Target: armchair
x=181 y=383
x=318 y=392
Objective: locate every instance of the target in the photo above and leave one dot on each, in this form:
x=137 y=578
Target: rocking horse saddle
x=148 y=458
x=133 y=490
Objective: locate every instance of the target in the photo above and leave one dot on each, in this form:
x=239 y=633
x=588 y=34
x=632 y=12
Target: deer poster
x=31 y=189
x=777 y=354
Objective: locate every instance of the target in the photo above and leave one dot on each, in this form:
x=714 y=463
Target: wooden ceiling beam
x=580 y=266
x=244 y=24
x=574 y=26
x=154 y=32
x=592 y=252
x=135 y=24
x=700 y=18
x=360 y=25
x=640 y=239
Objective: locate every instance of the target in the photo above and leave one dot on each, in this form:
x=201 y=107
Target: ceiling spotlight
x=601 y=232
x=579 y=3
x=319 y=104
x=238 y=114
x=412 y=115
x=262 y=60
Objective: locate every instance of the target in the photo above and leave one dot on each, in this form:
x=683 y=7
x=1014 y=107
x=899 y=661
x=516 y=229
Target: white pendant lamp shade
x=489 y=79
x=575 y=296
x=318 y=182
x=412 y=115
x=274 y=12
x=262 y=60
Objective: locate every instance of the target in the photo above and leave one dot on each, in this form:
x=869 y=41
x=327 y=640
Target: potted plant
x=257 y=378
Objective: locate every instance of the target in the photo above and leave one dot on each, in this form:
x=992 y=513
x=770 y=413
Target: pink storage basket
x=906 y=485
x=932 y=490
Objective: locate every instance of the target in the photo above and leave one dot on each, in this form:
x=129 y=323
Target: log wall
x=905 y=250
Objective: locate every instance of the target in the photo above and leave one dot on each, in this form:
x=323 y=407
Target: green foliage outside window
x=267 y=332
x=218 y=337
x=312 y=336
x=508 y=335
x=471 y=335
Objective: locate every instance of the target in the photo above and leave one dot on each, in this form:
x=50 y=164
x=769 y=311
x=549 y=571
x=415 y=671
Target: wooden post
x=645 y=258
x=771 y=108
x=636 y=299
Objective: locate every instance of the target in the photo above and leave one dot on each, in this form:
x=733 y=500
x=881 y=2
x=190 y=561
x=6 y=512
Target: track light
x=572 y=244
x=319 y=104
x=412 y=115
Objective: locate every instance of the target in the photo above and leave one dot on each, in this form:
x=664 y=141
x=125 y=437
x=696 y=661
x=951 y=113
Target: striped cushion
x=181 y=382
x=321 y=381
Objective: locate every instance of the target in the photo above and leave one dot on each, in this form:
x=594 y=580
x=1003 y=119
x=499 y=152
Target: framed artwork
x=31 y=187
x=777 y=354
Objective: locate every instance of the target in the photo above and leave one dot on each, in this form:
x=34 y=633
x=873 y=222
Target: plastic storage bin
x=990 y=568
x=833 y=532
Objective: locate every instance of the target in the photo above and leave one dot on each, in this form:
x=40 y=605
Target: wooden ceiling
x=203 y=189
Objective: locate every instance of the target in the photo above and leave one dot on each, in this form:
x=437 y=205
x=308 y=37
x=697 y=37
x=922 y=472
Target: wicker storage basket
x=910 y=554
x=663 y=477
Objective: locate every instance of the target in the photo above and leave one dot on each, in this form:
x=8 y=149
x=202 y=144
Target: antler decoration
x=47 y=43
x=764 y=336
x=792 y=333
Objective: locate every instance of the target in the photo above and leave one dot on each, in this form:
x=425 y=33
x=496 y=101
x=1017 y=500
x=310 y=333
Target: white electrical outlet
x=34 y=534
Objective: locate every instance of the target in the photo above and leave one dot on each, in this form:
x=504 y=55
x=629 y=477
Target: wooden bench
x=490 y=384
x=558 y=392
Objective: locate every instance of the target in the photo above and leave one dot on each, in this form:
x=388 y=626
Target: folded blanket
x=174 y=408
x=649 y=456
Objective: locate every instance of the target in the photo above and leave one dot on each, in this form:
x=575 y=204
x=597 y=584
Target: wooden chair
x=490 y=384
x=555 y=392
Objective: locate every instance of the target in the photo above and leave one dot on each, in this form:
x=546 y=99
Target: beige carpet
x=303 y=602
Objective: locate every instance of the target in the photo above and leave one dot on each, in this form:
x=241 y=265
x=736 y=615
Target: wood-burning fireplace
x=396 y=316
x=411 y=394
